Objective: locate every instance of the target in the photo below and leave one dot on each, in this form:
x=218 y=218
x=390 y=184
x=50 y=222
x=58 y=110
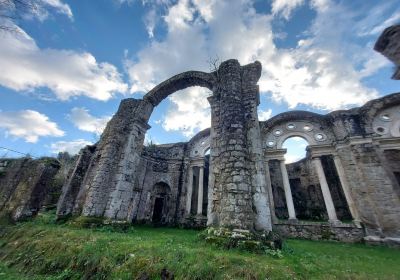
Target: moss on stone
x=245 y=240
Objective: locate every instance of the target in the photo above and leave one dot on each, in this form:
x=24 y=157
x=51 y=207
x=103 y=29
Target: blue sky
x=64 y=73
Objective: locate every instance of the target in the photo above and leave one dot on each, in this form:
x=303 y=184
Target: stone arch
x=312 y=127
x=179 y=82
x=289 y=146
x=374 y=108
x=200 y=143
x=287 y=136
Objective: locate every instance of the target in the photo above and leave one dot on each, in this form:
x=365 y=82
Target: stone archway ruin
x=238 y=196
x=114 y=179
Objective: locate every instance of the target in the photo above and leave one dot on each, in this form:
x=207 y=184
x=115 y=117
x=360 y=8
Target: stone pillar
x=330 y=207
x=288 y=191
x=200 y=191
x=346 y=190
x=189 y=190
x=270 y=194
x=117 y=156
x=237 y=191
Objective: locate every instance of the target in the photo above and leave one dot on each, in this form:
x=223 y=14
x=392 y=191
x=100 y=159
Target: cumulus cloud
x=72 y=147
x=59 y=7
x=67 y=73
x=190 y=111
x=285 y=7
x=86 y=122
x=33 y=9
x=29 y=125
x=321 y=72
x=264 y=115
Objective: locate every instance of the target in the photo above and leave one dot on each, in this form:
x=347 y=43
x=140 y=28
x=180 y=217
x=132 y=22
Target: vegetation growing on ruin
x=43 y=249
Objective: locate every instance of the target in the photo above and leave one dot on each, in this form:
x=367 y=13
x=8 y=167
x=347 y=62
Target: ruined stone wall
x=372 y=189
x=389 y=45
x=306 y=191
x=118 y=179
x=363 y=143
x=73 y=192
x=162 y=164
x=320 y=231
x=25 y=185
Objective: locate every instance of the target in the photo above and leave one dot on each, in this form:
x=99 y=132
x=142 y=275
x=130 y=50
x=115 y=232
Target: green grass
x=42 y=249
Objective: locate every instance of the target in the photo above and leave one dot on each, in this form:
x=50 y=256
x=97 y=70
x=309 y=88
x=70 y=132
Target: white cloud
x=296 y=149
x=60 y=7
x=324 y=71
x=72 y=147
x=33 y=9
x=264 y=115
x=150 y=21
x=67 y=73
x=86 y=122
x=29 y=125
x=190 y=111
x=285 y=7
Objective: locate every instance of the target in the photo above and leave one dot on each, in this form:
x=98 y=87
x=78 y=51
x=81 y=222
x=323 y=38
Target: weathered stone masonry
x=27 y=185
x=115 y=182
x=351 y=172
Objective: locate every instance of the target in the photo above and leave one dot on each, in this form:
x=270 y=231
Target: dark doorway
x=158 y=210
x=161 y=207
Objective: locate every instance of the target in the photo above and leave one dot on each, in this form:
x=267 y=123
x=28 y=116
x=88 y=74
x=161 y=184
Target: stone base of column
x=357 y=223
x=335 y=222
x=195 y=221
x=293 y=221
x=243 y=239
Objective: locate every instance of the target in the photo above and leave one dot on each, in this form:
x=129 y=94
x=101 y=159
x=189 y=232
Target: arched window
x=296 y=149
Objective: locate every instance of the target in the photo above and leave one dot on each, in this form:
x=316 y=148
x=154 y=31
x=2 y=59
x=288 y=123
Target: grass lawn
x=41 y=249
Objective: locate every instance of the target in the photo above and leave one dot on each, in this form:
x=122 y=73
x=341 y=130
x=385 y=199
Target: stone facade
x=233 y=175
x=27 y=185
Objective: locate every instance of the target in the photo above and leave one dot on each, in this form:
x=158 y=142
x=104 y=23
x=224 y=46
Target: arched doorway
x=160 y=203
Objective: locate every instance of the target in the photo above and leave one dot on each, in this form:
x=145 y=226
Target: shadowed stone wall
x=26 y=185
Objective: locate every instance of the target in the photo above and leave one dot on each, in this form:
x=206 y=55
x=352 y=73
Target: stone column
x=270 y=194
x=346 y=190
x=330 y=207
x=288 y=192
x=200 y=192
x=189 y=190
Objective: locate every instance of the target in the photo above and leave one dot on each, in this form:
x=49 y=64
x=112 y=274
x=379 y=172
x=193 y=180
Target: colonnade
x=316 y=153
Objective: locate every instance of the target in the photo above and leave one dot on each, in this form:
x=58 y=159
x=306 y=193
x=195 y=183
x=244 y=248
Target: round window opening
x=271 y=143
x=380 y=129
x=202 y=143
x=291 y=126
x=386 y=117
x=278 y=132
x=307 y=127
x=320 y=137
